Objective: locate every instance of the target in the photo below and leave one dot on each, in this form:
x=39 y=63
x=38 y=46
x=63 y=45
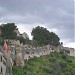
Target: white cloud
x=70 y=44
x=0 y=23
x=25 y=28
x=67 y=43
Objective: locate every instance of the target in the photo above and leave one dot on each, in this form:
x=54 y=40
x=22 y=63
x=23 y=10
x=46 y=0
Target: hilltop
x=40 y=56
x=53 y=64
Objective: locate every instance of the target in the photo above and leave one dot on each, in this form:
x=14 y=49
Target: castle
x=21 y=53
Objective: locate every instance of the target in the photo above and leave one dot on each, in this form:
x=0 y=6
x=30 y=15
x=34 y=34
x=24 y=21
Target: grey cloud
x=57 y=14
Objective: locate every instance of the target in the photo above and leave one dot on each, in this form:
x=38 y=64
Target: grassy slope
x=53 y=64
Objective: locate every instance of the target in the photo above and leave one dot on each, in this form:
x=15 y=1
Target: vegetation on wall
x=22 y=40
x=53 y=64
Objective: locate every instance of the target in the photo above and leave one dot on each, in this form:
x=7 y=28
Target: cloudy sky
x=56 y=15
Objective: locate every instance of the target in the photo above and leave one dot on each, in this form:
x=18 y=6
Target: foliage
x=34 y=43
x=62 y=51
x=1 y=41
x=22 y=40
x=63 y=56
x=73 y=71
x=43 y=37
x=52 y=64
x=69 y=60
x=7 y=31
x=63 y=64
x=52 y=59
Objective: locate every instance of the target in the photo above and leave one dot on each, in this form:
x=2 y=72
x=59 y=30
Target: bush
x=52 y=60
x=63 y=64
x=68 y=60
x=61 y=51
x=29 y=73
x=73 y=71
x=68 y=73
x=51 y=54
x=56 y=68
x=47 y=69
x=63 y=56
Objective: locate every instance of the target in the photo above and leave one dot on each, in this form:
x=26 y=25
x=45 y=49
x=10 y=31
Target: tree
x=54 y=39
x=44 y=37
x=8 y=31
x=22 y=40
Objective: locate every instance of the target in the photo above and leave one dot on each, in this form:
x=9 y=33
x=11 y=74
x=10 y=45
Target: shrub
x=73 y=71
x=68 y=73
x=63 y=64
x=56 y=68
x=47 y=69
x=61 y=51
x=29 y=73
x=52 y=60
x=51 y=54
x=63 y=56
x=68 y=60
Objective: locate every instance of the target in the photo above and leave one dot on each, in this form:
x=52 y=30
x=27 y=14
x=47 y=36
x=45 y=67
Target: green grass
x=53 y=64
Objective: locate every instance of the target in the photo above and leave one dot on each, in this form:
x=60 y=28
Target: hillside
x=53 y=64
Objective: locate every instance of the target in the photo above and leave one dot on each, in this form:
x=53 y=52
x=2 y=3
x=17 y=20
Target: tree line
x=41 y=36
x=8 y=32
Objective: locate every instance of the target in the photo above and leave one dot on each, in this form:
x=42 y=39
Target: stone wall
x=2 y=63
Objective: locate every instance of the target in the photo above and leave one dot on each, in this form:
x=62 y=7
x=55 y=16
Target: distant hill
x=53 y=64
